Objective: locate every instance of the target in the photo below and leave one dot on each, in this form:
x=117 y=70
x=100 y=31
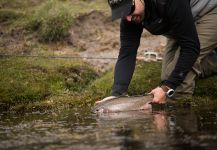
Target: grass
x=31 y=80
x=41 y=84
x=9 y=15
x=32 y=26
x=19 y=4
x=145 y=78
x=50 y=19
x=36 y=24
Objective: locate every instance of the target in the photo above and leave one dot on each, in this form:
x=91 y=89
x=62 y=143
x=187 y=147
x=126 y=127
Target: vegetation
x=51 y=19
x=146 y=77
x=9 y=15
x=41 y=83
x=35 y=24
x=29 y=80
x=44 y=85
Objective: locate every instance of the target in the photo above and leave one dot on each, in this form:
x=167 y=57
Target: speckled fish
x=122 y=104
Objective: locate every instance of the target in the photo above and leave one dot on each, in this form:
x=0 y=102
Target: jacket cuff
x=169 y=84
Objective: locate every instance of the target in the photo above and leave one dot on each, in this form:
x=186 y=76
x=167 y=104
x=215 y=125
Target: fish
x=123 y=104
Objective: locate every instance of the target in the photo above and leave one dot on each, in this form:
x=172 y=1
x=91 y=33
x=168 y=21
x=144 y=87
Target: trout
x=123 y=103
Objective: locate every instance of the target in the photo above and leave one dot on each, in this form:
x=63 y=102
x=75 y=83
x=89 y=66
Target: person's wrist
x=165 y=88
x=169 y=84
x=168 y=91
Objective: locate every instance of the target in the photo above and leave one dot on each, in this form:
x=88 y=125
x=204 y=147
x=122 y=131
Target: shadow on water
x=79 y=129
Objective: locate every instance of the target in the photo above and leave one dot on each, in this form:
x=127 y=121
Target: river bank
x=34 y=84
x=55 y=28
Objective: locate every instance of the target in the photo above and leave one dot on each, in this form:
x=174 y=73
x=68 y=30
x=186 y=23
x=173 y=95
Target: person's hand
x=159 y=96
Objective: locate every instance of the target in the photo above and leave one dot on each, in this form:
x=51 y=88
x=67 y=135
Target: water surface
x=78 y=129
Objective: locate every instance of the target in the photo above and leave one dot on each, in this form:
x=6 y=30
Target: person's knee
x=209 y=65
x=212 y=57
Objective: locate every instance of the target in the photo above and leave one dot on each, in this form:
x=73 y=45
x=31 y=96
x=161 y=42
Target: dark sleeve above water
x=130 y=34
x=184 y=31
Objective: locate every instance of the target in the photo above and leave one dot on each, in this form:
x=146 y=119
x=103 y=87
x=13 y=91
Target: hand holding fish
x=159 y=96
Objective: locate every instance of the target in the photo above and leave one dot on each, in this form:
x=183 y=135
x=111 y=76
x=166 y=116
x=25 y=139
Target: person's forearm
x=130 y=40
x=184 y=31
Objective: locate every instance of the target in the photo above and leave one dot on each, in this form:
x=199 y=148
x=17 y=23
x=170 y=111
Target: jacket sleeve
x=130 y=34
x=184 y=31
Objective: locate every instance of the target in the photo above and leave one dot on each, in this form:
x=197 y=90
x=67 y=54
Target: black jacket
x=168 y=17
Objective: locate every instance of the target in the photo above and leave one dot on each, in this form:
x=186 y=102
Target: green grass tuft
x=34 y=79
x=56 y=28
x=146 y=77
x=50 y=20
x=9 y=15
x=77 y=77
x=207 y=87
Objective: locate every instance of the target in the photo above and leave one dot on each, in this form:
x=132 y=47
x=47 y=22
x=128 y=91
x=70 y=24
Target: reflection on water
x=78 y=129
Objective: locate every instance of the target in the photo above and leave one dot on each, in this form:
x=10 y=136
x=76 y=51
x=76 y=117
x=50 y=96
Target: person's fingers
x=158 y=101
x=155 y=100
x=147 y=106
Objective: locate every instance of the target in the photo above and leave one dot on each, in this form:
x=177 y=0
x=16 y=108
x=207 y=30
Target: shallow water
x=79 y=129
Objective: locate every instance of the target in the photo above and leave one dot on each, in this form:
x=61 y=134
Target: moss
x=77 y=77
x=146 y=77
x=7 y=15
x=207 y=87
x=22 y=82
x=102 y=86
x=31 y=80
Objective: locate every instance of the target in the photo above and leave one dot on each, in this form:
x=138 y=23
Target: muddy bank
x=95 y=35
x=91 y=35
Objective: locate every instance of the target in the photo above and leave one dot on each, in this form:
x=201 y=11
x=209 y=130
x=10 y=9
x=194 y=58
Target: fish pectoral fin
x=105 y=99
